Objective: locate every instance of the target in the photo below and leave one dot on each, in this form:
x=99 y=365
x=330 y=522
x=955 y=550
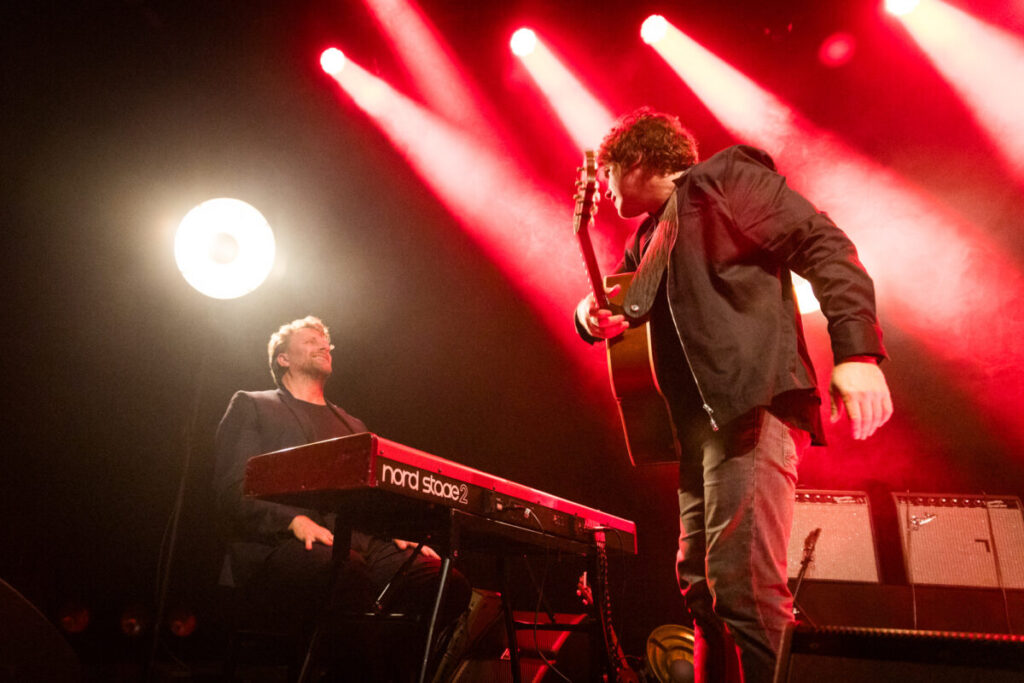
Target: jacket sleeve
x=237 y=440
x=786 y=225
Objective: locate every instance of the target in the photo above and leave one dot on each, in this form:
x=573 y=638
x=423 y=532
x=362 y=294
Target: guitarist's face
x=632 y=190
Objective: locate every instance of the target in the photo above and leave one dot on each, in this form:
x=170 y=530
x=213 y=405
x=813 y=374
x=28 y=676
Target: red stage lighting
x=436 y=73
x=523 y=42
x=73 y=617
x=487 y=194
x=583 y=116
x=940 y=277
x=653 y=29
x=182 y=622
x=838 y=49
x=134 y=620
x=332 y=61
x=985 y=65
x=901 y=7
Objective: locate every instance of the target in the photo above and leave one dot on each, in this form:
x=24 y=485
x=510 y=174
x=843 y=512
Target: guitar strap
x=644 y=287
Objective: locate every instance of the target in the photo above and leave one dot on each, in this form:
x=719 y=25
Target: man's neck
x=662 y=186
x=305 y=388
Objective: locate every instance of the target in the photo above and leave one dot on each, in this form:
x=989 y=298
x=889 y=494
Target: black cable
x=170 y=538
x=910 y=562
x=540 y=596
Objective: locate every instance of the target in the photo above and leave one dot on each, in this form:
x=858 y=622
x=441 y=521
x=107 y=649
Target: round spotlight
x=182 y=622
x=653 y=29
x=523 y=42
x=224 y=248
x=837 y=49
x=73 y=617
x=901 y=7
x=332 y=61
x=134 y=620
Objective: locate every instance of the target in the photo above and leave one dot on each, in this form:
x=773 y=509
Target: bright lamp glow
x=224 y=248
x=837 y=49
x=901 y=7
x=523 y=42
x=332 y=61
x=653 y=29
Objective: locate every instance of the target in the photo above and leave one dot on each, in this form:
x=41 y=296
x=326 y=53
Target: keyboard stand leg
x=510 y=623
x=446 y=565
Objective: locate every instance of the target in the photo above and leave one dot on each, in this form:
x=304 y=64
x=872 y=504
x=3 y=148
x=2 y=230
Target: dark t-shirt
x=326 y=423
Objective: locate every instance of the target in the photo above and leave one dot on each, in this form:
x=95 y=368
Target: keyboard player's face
x=309 y=353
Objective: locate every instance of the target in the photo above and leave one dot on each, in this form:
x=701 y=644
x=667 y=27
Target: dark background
x=121 y=116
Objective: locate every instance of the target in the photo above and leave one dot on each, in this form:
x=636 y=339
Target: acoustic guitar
x=646 y=421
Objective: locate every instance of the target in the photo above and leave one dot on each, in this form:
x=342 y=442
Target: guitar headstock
x=586 y=190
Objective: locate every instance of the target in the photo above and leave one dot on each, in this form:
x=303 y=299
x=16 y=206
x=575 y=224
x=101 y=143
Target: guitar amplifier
x=845 y=549
x=962 y=540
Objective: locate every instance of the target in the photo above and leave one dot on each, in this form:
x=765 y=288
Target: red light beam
x=519 y=226
x=583 y=117
x=982 y=63
x=939 y=276
x=430 y=60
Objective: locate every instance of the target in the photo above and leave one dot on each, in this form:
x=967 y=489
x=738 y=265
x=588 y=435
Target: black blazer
x=259 y=422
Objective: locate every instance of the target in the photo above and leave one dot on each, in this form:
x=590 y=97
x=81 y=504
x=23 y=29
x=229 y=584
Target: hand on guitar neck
x=600 y=322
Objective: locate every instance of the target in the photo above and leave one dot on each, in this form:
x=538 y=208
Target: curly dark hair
x=656 y=141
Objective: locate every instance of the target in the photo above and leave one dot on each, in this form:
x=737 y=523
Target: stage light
x=653 y=29
x=134 y=620
x=224 y=248
x=73 y=617
x=182 y=622
x=523 y=42
x=838 y=49
x=901 y=7
x=332 y=61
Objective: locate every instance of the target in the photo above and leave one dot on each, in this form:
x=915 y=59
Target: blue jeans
x=736 y=490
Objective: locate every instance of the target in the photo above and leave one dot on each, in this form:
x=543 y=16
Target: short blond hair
x=279 y=341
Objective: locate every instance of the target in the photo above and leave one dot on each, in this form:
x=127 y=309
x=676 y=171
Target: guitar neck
x=593 y=270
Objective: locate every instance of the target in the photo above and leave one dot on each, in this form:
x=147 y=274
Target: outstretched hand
x=601 y=322
x=859 y=389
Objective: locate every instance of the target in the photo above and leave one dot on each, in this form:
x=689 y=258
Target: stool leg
x=307 y=663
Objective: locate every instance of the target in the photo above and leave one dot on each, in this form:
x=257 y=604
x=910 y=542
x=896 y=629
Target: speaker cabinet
x=840 y=654
x=962 y=540
x=845 y=549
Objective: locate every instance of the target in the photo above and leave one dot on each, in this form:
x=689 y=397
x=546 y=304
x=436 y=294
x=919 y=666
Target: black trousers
x=300 y=584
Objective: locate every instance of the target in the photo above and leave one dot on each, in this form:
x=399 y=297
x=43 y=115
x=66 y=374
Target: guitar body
x=646 y=420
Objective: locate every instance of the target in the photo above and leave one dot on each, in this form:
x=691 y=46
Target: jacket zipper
x=700 y=392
